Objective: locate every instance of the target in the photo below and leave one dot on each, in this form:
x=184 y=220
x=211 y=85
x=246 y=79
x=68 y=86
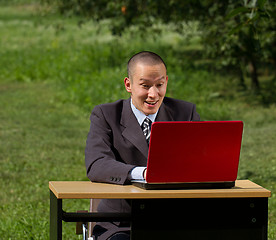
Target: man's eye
x=145 y=86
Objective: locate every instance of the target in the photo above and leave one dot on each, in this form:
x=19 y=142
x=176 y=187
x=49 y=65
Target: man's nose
x=153 y=92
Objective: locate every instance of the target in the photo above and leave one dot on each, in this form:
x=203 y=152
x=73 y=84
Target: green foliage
x=15 y=2
x=232 y=30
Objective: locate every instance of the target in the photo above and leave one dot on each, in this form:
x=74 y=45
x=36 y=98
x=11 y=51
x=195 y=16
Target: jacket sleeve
x=102 y=162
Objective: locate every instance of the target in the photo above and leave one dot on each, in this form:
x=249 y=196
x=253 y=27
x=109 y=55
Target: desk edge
x=259 y=192
x=52 y=189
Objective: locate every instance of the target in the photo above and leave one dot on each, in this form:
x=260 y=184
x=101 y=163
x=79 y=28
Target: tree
x=236 y=33
x=237 y=37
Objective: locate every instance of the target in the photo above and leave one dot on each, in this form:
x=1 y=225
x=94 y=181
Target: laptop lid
x=194 y=151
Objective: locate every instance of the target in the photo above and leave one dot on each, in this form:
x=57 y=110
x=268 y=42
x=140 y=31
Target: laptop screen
x=194 y=151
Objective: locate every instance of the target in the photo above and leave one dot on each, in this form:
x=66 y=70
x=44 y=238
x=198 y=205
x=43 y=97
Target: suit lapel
x=133 y=131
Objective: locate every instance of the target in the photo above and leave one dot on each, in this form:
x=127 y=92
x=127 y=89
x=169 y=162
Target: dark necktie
x=146 y=125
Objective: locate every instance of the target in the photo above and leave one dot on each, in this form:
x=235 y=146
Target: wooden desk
x=238 y=213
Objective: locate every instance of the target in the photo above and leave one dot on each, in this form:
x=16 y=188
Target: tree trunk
x=254 y=75
x=242 y=82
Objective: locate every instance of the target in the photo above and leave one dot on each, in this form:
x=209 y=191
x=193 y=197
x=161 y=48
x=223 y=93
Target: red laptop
x=193 y=155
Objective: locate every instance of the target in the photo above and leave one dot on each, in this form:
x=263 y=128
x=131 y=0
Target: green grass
x=52 y=73
x=41 y=140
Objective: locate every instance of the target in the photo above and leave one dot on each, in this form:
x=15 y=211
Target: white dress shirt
x=137 y=173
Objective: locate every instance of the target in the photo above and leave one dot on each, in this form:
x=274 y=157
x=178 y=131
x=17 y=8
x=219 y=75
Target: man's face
x=148 y=85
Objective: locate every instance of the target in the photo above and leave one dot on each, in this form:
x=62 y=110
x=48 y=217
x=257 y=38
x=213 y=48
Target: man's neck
x=140 y=116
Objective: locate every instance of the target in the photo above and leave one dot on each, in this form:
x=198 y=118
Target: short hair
x=145 y=57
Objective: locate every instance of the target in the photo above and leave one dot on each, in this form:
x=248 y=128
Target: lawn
x=53 y=71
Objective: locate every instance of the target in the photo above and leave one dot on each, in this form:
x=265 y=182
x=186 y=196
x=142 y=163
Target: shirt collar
x=141 y=116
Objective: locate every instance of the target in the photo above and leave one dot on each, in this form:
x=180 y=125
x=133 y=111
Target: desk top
x=87 y=189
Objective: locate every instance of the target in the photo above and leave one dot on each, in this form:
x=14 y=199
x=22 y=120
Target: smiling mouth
x=151 y=103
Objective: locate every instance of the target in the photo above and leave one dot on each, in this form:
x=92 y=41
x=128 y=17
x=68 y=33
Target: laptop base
x=173 y=186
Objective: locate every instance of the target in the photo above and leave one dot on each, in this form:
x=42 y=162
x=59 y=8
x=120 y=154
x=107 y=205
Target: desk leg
x=55 y=217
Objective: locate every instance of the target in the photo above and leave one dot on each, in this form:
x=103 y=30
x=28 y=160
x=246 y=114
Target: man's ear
x=127 y=84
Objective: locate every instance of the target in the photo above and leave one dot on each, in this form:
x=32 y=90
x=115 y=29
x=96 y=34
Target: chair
x=85 y=228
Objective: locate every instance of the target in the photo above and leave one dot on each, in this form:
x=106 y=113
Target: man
x=117 y=146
